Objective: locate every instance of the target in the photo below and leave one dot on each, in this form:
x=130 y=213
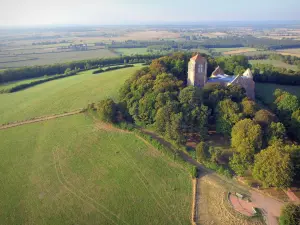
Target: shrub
x=290 y=215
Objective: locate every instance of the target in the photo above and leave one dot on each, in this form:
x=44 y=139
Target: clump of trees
x=287 y=108
x=290 y=214
x=266 y=73
x=157 y=97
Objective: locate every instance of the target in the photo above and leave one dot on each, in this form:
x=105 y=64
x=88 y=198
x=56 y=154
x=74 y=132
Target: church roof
x=248 y=73
x=197 y=57
x=221 y=78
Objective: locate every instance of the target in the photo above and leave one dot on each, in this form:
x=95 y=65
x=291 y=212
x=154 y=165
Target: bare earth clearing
x=212 y=209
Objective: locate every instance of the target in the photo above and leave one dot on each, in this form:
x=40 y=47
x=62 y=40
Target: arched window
x=201 y=68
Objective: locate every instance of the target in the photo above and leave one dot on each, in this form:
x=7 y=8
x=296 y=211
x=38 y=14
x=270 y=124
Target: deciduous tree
x=273 y=167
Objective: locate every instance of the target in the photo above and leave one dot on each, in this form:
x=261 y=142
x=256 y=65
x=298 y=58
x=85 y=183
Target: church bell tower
x=197 y=71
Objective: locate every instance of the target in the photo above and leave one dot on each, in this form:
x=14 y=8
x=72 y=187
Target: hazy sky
x=37 y=12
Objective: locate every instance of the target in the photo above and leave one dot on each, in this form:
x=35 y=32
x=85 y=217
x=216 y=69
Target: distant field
x=233 y=51
x=73 y=171
x=62 y=95
x=205 y=51
x=239 y=51
x=258 y=52
x=292 y=51
x=50 y=58
x=132 y=51
x=265 y=91
x=276 y=63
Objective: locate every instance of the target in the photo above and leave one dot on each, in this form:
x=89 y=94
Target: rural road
x=40 y=119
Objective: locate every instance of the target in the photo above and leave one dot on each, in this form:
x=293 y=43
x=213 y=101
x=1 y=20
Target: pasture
x=276 y=63
x=75 y=170
x=62 y=95
x=265 y=91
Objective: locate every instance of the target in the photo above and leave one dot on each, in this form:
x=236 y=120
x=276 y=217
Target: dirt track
x=39 y=119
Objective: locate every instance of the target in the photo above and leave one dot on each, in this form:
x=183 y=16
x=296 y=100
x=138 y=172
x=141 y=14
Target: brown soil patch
x=238 y=51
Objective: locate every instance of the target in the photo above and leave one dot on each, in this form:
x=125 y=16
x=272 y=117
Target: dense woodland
x=158 y=98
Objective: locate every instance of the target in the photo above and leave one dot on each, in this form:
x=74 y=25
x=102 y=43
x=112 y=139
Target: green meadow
x=276 y=63
x=265 y=91
x=75 y=170
x=62 y=95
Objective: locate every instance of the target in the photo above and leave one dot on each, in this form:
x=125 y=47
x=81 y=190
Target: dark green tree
x=202 y=152
x=107 y=110
x=290 y=215
x=228 y=113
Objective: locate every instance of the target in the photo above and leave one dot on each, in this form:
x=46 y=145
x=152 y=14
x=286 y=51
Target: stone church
x=197 y=76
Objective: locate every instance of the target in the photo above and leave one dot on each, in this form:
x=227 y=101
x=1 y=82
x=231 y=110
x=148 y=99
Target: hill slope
x=74 y=171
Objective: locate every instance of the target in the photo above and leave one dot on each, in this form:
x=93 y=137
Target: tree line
x=59 y=68
x=219 y=42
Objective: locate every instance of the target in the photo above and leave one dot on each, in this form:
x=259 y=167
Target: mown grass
x=74 y=171
x=62 y=95
x=276 y=63
x=265 y=91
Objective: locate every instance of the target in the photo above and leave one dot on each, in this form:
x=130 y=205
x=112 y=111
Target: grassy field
x=74 y=171
x=131 y=51
x=62 y=95
x=265 y=91
x=276 y=63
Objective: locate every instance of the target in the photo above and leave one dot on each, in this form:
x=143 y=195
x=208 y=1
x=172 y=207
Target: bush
x=194 y=172
x=107 y=110
x=202 y=152
x=290 y=215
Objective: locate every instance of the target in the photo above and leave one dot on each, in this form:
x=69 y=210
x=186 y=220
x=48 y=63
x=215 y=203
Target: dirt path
x=44 y=118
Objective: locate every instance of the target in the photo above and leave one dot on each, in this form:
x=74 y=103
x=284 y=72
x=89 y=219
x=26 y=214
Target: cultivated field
x=31 y=59
x=293 y=52
x=276 y=63
x=131 y=51
x=234 y=51
x=265 y=91
x=74 y=171
x=62 y=95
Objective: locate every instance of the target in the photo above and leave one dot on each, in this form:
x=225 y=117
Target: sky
x=115 y=12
